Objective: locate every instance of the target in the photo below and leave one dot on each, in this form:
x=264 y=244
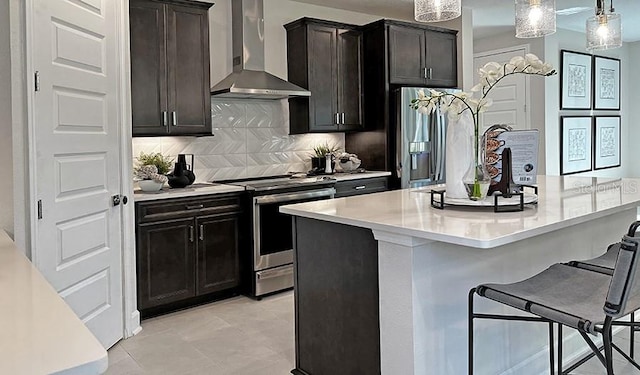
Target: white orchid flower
x=518 y=63
x=435 y=93
x=547 y=68
x=425 y=110
x=478 y=87
x=533 y=60
x=421 y=94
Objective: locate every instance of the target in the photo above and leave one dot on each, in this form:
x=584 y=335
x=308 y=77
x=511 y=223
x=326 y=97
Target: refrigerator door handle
x=441 y=148
x=435 y=147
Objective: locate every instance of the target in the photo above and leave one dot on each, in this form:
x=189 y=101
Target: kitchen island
x=382 y=279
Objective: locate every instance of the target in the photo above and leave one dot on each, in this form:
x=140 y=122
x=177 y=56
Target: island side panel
x=336 y=299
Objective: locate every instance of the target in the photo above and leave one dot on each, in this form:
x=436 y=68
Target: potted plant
x=319 y=156
x=150 y=171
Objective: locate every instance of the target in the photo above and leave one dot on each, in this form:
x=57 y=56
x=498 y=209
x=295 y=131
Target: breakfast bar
x=381 y=280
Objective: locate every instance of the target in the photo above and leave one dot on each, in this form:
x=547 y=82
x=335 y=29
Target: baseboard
x=134 y=327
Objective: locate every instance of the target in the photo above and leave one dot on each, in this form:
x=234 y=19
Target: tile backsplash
x=250 y=140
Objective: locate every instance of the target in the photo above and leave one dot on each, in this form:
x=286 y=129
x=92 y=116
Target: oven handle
x=269 y=274
x=285 y=197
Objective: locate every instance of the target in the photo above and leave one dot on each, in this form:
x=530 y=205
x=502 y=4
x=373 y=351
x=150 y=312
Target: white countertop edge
x=464 y=241
x=25 y=283
x=140 y=196
x=358 y=176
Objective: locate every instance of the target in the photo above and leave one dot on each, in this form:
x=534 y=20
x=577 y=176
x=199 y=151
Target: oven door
x=273 y=231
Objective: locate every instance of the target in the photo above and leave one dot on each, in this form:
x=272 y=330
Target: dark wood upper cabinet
x=325 y=58
x=422 y=57
x=170 y=67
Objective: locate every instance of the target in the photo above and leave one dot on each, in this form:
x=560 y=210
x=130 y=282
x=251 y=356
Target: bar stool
x=574 y=296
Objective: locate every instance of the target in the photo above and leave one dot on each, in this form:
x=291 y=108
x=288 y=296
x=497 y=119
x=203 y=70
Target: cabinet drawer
x=361 y=186
x=187 y=207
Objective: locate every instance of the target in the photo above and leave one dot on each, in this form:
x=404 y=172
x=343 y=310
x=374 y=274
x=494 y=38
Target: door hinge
x=39 y=209
x=36 y=80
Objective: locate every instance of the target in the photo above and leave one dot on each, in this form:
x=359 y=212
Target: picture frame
x=576 y=78
x=606 y=93
x=576 y=152
x=606 y=144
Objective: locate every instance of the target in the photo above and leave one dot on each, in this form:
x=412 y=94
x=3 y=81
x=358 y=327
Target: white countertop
x=563 y=201
x=358 y=176
x=40 y=332
x=189 y=191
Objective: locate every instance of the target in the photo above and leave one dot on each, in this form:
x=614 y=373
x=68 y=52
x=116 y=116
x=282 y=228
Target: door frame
x=527 y=83
x=131 y=315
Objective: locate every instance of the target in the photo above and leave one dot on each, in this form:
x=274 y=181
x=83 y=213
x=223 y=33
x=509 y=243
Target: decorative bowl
x=150 y=185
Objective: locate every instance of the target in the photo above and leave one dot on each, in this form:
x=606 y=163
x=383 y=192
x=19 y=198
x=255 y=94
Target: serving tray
x=499 y=202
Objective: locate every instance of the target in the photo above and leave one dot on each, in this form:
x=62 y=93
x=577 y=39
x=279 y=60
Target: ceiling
x=492 y=17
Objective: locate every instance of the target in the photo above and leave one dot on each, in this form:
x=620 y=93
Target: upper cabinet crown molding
x=325 y=58
x=170 y=67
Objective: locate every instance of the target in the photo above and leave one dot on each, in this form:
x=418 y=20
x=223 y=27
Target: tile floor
x=237 y=336
x=240 y=336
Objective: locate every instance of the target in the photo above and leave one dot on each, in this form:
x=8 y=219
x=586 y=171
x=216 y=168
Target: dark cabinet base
x=336 y=299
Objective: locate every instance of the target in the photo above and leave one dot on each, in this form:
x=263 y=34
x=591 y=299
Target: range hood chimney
x=249 y=80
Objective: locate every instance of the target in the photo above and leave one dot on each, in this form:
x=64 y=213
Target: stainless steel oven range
x=273 y=232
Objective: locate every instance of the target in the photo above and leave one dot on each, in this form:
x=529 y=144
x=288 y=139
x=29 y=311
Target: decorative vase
x=150 y=185
x=178 y=179
x=459 y=153
x=477 y=179
x=187 y=170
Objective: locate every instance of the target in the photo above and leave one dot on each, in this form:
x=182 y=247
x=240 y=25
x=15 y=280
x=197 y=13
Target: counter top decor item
x=319 y=157
x=455 y=104
x=150 y=171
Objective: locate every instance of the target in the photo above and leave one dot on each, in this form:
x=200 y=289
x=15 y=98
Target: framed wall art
x=575 y=144
x=606 y=94
x=576 y=80
x=607 y=142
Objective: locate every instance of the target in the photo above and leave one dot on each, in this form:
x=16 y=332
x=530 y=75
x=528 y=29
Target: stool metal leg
x=470 y=328
x=632 y=334
x=608 y=352
x=552 y=351
x=560 y=349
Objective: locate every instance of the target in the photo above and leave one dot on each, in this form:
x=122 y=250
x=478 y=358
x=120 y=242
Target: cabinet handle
x=337 y=118
x=342 y=118
x=424 y=73
x=360 y=187
x=165 y=118
x=190 y=233
x=174 y=118
x=195 y=207
x=429 y=73
x=201 y=232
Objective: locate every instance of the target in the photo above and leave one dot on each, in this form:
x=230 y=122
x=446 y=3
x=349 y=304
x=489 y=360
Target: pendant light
x=535 y=18
x=436 y=10
x=604 y=30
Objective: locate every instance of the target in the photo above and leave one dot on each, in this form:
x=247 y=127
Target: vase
x=182 y=159
x=459 y=153
x=477 y=179
x=178 y=179
x=150 y=185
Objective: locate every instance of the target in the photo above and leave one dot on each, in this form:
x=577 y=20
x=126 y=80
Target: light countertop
x=562 y=202
x=40 y=332
x=189 y=191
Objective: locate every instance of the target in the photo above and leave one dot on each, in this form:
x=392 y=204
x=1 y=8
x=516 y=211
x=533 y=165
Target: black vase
x=187 y=171
x=178 y=179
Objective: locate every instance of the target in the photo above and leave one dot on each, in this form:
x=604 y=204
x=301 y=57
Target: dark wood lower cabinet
x=188 y=252
x=336 y=299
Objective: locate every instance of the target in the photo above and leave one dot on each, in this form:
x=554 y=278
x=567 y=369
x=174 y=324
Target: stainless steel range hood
x=249 y=80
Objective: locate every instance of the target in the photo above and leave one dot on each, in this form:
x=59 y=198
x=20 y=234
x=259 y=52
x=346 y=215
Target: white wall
x=6 y=182
x=575 y=41
x=633 y=98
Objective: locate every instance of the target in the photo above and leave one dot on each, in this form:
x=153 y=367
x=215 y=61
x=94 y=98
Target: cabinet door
x=323 y=76
x=350 y=78
x=441 y=59
x=189 y=98
x=165 y=262
x=148 y=67
x=218 y=255
x=406 y=55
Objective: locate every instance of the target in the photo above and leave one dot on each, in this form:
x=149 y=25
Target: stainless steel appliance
x=420 y=141
x=272 y=269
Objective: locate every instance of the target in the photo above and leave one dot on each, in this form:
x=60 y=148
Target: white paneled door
x=76 y=117
x=509 y=96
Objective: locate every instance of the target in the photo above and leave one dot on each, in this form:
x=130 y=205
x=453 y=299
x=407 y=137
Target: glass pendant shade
x=436 y=10
x=535 y=18
x=604 y=31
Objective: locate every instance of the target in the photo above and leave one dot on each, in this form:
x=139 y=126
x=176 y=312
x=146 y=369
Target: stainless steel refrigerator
x=420 y=142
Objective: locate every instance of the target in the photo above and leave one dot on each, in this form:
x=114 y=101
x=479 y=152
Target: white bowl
x=150 y=185
x=347 y=166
